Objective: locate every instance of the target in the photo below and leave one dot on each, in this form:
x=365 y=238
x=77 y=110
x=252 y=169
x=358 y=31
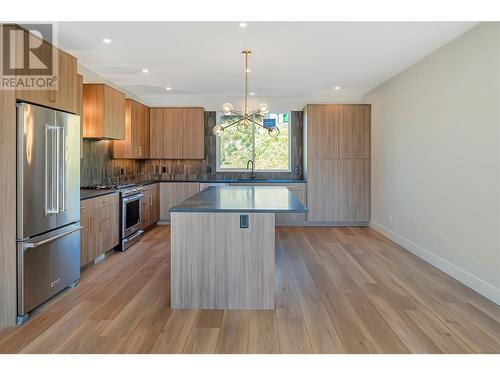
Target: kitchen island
x=223 y=245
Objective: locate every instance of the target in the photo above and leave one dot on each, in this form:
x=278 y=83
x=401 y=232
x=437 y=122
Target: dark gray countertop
x=242 y=199
x=257 y=181
x=87 y=194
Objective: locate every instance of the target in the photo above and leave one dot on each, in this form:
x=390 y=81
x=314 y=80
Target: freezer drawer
x=46 y=265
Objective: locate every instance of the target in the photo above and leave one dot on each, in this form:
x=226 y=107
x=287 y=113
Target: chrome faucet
x=252 y=175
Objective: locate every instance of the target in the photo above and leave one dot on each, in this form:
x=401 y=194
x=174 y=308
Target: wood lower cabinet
x=150 y=206
x=136 y=142
x=173 y=193
x=99 y=218
x=354 y=190
x=339 y=190
x=177 y=133
x=88 y=239
x=103 y=112
x=298 y=189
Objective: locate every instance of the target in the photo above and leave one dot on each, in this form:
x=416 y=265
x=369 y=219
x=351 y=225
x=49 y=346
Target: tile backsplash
x=99 y=167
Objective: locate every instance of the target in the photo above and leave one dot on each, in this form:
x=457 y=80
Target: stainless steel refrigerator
x=48 y=204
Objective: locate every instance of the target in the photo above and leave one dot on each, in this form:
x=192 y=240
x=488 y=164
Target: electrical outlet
x=243 y=221
x=163 y=169
x=296 y=170
x=390 y=218
x=121 y=171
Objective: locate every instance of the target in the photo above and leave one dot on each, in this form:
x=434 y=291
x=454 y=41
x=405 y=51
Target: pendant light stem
x=246 y=84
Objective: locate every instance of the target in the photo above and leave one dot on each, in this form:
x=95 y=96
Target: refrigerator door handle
x=31 y=245
x=51 y=160
x=61 y=161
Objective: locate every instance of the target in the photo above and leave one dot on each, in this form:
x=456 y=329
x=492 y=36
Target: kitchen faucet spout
x=252 y=175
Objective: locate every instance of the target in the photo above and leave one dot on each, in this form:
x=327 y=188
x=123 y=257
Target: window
x=235 y=148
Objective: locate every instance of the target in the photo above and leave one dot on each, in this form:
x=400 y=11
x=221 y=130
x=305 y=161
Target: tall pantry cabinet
x=337 y=163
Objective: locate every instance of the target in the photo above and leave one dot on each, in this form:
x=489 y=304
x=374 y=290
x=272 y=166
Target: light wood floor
x=338 y=290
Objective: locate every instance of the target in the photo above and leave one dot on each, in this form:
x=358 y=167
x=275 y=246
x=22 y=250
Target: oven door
x=131 y=214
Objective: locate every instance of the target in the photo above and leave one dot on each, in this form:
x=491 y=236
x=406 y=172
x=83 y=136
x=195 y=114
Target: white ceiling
x=293 y=63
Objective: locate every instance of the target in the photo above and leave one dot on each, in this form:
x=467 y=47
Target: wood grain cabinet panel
x=177 y=133
x=136 y=142
x=79 y=100
x=354 y=189
x=88 y=238
x=322 y=190
x=156 y=141
x=108 y=219
x=173 y=193
x=337 y=165
x=193 y=133
x=339 y=190
x=103 y=112
x=99 y=218
x=322 y=131
x=65 y=96
x=149 y=206
x=354 y=131
x=166 y=199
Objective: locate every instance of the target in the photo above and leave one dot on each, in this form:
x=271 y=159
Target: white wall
x=436 y=158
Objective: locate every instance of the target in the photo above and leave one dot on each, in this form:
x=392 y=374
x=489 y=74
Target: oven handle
x=132 y=198
x=133 y=237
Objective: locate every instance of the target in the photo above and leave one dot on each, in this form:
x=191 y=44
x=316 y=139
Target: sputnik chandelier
x=243 y=120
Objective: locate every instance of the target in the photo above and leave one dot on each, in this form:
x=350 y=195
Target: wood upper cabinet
x=65 y=96
x=322 y=131
x=354 y=131
x=103 y=112
x=136 y=142
x=173 y=193
x=193 y=133
x=177 y=133
x=99 y=218
x=79 y=100
x=338 y=131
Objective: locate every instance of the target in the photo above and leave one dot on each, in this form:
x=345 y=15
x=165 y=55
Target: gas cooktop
x=107 y=186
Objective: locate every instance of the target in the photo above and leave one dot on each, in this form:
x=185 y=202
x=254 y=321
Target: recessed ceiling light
x=252 y=93
x=168 y=88
x=243 y=24
x=337 y=88
x=145 y=70
x=249 y=70
x=106 y=40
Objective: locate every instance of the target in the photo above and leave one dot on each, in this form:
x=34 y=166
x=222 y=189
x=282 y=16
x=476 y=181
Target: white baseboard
x=482 y=287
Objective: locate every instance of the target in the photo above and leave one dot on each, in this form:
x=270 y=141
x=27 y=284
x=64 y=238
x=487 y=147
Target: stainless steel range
x=130 y=224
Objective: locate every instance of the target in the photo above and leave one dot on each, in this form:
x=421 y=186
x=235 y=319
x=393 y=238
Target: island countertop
x=242 y=199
